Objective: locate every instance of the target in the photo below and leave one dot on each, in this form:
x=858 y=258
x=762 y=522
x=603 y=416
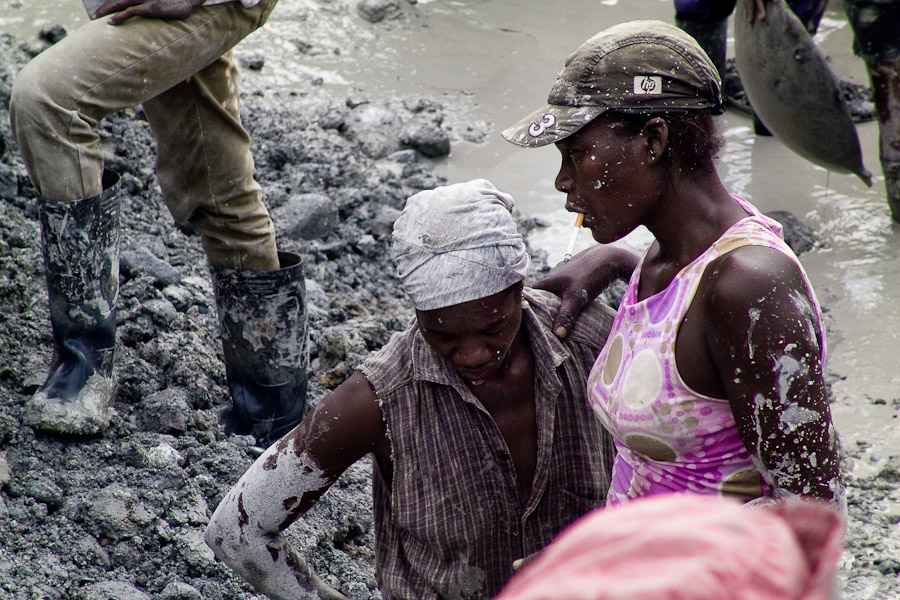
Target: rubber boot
x=80 y=244
x=265 y=340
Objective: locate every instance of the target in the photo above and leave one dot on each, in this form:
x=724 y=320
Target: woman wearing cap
x=484 y=444
x=711 y=380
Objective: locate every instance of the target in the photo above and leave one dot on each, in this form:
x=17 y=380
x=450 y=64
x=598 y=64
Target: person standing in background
x=876 y=29
x=173 y=57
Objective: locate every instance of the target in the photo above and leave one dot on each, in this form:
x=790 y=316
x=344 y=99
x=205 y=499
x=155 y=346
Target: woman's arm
x=763 y=337
x=583 y=278
x=245 y=530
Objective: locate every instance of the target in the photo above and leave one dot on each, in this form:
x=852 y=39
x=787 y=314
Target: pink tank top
x=670 y=438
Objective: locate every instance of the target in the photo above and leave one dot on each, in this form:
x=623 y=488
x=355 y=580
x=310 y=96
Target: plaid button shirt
x=451 y=522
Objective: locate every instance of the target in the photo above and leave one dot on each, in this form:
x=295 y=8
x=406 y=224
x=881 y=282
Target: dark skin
x=749 y=335
x=490 y=351
x=483 y=340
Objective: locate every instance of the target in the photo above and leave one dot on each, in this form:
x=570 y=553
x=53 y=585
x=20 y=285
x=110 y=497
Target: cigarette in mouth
x=578 y=219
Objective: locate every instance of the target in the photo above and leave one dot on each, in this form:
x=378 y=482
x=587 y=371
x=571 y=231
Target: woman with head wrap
x=711 y=381
x=484 y=446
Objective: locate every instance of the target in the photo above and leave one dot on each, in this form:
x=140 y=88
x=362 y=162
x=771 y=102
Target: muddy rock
x=797 y=234
x=113 y=590
x=306 y=217
x=374 y=11
x=426 y=137
x=375 y=128
x=166 y=411
x=141 y=261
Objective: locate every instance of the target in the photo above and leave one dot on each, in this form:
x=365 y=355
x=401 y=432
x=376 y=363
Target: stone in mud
x=306 y=217
x=53 y=34
x=9 y=183
x=890 y=472
x=5 y=476
x=367 y=245
x=87 y=551
x=166 y=411
x=106 y=513
x=375 y=128
x=45 y=491
x=797 y=235
x=178 y=590
x=112 y=590
x=193 y=549
x=381 y=224
x=253 y=62
x=135 y=262
x=888 y=566
x=426 y=137
x=374 y=11
x=161 y=311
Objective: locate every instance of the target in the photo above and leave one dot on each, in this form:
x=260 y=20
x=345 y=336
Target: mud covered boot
x=80 y=244
x=265 y=339
x=891 y=170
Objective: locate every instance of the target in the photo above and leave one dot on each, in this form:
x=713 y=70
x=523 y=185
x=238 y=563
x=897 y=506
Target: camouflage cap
x=640 y=65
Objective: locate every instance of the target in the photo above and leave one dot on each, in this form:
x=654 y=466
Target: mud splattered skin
x=244 y=531
x=758 y=425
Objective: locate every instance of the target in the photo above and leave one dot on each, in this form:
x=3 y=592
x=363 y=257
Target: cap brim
x=550 y=124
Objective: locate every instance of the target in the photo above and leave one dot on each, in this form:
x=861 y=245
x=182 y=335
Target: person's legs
x=885 y=77
x=704 y=11
x=205 y=168
x=265 y=345
x=60 y=96
x=707 y=22
x=76 y=397
x=876 y=41
x=57 y=101
x=809 y=12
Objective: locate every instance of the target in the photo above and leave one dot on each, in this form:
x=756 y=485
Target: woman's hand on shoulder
x=580 y=280
x=763 y=335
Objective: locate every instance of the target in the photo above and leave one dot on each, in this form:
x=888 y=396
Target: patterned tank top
x=670 y=438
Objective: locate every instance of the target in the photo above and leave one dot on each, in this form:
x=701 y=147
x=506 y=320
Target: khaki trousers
x=182 y=72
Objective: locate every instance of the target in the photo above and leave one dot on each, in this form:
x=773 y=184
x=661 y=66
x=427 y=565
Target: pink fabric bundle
x=689 y=547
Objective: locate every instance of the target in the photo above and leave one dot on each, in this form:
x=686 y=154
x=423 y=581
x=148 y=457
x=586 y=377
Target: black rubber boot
x=265 y=339
x=712 y=37
x=80 y=244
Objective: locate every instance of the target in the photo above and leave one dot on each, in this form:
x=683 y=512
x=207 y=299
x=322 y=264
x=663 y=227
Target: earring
x=525 y=305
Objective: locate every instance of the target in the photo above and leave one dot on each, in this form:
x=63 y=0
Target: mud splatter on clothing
x=670 y=438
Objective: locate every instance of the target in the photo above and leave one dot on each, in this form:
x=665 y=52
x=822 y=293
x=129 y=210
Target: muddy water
x=504 y=54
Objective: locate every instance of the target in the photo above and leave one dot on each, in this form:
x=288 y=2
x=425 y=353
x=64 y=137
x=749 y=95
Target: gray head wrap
x=458 y=243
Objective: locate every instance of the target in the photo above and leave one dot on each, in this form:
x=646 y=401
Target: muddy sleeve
x=245 y=529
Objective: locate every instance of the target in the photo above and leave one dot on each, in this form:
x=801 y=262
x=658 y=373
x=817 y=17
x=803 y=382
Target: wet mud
x=121 y=516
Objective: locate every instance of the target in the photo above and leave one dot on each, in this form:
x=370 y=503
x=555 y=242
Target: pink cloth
x=690 y=547
x=669 y=437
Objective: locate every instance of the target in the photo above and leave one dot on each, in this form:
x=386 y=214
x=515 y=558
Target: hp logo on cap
x=647 y=85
